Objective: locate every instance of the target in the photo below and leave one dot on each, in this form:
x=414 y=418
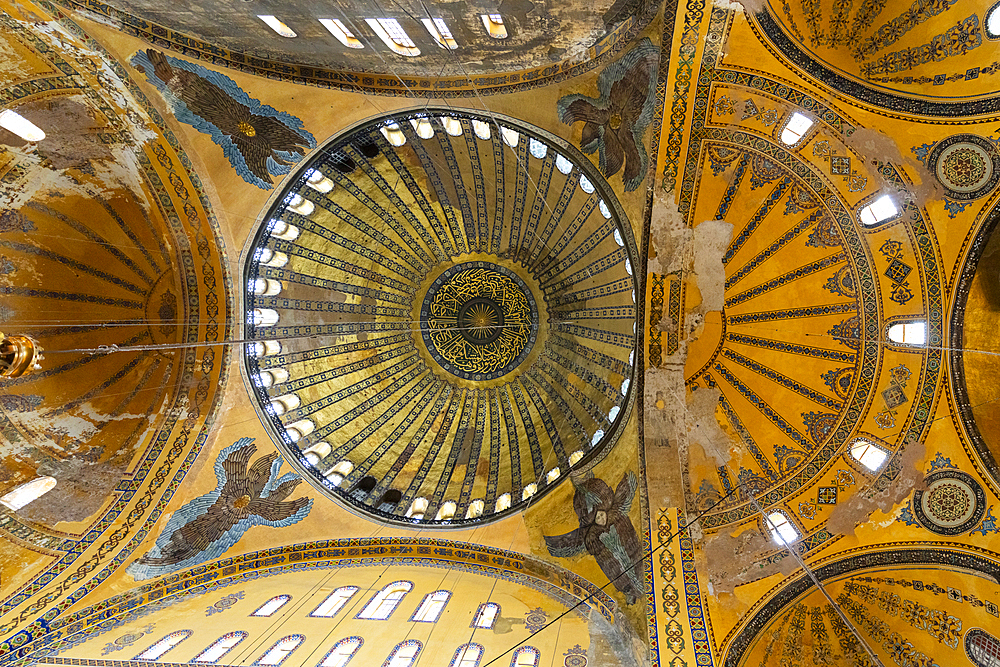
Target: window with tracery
x=404 y=654
x=342 y=652
x=468 y=655
x=159 y=648
x=280 y=651
x=430 y=609
x=982 y=648
x=908 y=333
x=334 y=602
x=868 y=454
x=782 y=530
x=220 y=647
x=393 y=35
x=383 y=603
x=272 y=605
x=525 y=656
x=486 y=615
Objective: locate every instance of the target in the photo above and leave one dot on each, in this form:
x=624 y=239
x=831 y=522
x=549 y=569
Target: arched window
x=342 y=652
x=782 y=530
x=468 y=655
x=390 y=499
x=21 y=126
x=272 y=605
x=404 y=654
x=563 y=165
x=280 y=229
x=280 y=650
x=393 y=35
x=423 y=127
x=334 y=602
x=482 y=129
x=451 y=126
x=586 y=185
x=283 y=404
x=537 y=148
x=317 y=452
x=300 y=205
x=440 y=32
x=982 y=648
x=393 y=134
x=27 y=492
x=552 y=475
x=525 y=656
x=263 y=317
x=606 y=212
x=908 y=333
x=276 y=25
x=494 y=26
x=447 y=511
x=264 y=348
x=529 y=491
x=269 y=257
x=159 y=648
x=880 y=210
x=992 y=21
x=430 y=609
x=363 y=487
x=476 y=508
x=319 y=182
x=795 y=128
x=486 y=615
x=265 y=287
x=417 y=508
x=337 y=473
x=220 y=647
x=868 y=454
x=272 y=376
x=383 y=603
x=577 y=456
x=342 y=33
x=510 y=137
x=503 y=503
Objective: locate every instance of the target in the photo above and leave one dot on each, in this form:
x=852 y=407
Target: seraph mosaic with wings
x=259 y=141
x=245 y=496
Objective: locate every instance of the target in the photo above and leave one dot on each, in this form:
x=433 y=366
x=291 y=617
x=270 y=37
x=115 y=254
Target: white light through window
x=452 y=126
x=318 y=181
x=881 y=209
x=390 y=32
x=467 y=656
x=510 y=137
x=263 y=317
x=417 y=509
x=342 y=652
x=529 y=491
x=341 y=32
x=159 y=648
x=404 y=654
x=868 y=454
x=605 y=211
x=393 y=134
x=21 y=126
x=482 y=129
x=525 y=656
x=552 y=475
x=575 y=457
x=276 y=25
x=430 y=609
x=383 y=603
x=486 y=616
x=439 y=31
x=587 y=186
x=598 y=434
x=613 y=413
x=475 y=510
x=908 y=333
x=27 y=492
x=272 y=605
x=447 y=511
x=795 y=128
x=277 y=653
x=563 y=165
x=993 y=30
x=782 y=531
x=334 y=602
x=422 y=127
x=537 y=148
x=220 y=647
x=503 y=503
x=494 y=26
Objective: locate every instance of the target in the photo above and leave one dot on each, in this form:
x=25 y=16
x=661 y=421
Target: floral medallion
x=967 y=165
x=953 y=503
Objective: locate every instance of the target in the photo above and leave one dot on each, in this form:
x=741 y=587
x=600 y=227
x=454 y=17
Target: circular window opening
x=454 y=316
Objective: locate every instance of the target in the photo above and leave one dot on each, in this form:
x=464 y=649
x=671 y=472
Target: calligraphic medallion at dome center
x=479 y=320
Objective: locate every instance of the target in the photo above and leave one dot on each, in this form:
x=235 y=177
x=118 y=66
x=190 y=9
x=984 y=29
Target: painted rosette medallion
x=967 y=165
x=479 y=320
x=443 y=310
x=953 y=503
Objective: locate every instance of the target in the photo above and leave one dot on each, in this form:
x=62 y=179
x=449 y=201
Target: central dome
x=443 y=311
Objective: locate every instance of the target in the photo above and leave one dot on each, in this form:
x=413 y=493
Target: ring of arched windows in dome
x=271 y=281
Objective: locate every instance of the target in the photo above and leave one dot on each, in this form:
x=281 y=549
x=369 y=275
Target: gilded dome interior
x=432 y=291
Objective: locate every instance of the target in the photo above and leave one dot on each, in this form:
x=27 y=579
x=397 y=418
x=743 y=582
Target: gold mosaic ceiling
x=455 y=316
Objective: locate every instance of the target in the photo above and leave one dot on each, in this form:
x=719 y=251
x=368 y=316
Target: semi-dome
x=443 y=312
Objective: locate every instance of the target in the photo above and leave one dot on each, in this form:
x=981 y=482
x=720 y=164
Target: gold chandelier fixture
x=19 y=355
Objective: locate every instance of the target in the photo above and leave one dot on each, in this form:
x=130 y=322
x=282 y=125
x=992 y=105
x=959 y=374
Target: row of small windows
x=382 y=604
x=403 y=654
x=392 y=33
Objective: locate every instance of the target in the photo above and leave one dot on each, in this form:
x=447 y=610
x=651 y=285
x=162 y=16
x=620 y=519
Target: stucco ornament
x=245 y=496
x=615 y=122
x=258 y=140
x=606 y=532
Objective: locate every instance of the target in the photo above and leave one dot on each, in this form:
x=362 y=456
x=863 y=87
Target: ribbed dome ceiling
x=446 y=313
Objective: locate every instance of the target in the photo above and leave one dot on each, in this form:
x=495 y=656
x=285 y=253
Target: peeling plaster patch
x=847 y=516
x=703 y=426
x=874 y=145
x=68 y=124
x=711 y=238
x=81 y=491
x=10 y=63
x=669 y=234
x=733 y=560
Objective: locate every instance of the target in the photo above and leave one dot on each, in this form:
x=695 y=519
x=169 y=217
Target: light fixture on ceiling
x=21 y=126
x=19 y=355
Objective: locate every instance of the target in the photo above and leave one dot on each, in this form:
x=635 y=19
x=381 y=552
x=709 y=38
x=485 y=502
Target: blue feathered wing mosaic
x=615 y=122
x=259 y=141
x=246 y=496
